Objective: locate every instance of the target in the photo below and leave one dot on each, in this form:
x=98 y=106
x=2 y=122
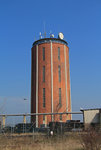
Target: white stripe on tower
x=52 y=81
x=36 y=84
x=70 y=87
x=66 y=77
x=70 y=93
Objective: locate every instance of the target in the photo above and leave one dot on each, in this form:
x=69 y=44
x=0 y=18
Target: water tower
x=50 y=79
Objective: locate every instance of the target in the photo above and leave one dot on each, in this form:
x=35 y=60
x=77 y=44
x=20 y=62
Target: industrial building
x=50 y=79
x=91 y=117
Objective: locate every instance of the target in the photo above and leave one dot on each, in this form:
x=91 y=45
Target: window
x=60 y=97
x=58 y=53
x=59 y=72
x=60 y=117
x=43 y=52
x=43 y=73
x=43 y=97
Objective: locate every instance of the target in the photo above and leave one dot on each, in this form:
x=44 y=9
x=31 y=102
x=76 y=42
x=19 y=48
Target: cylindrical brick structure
x=50 y=80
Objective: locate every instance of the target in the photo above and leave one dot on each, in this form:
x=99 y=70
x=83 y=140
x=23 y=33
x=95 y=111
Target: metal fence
x=21 y=123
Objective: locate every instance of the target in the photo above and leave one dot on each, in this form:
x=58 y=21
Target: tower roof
x=48 y=40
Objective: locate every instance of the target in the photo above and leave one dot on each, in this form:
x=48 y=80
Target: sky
x=20 y=24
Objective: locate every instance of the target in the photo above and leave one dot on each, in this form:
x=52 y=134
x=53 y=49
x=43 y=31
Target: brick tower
x=50 y=79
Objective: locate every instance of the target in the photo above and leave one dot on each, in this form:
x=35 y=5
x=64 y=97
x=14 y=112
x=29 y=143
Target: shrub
x=91 y=140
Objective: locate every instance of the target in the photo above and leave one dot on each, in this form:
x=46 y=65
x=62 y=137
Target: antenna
x=35 y=38
x=44 y=30
x=40 y=36
x=50 y=32
x=61 y=36
x=51 y=35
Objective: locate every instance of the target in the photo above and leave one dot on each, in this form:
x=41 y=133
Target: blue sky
x=20 y=24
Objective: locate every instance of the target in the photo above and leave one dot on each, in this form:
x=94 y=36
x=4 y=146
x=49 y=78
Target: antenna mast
x=44 y=31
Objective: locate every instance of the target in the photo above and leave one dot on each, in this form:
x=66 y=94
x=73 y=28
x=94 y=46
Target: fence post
x=33 y=133
x=100 y=119
x=24 y=119
x=3 y=121
x=24 y=124
x=45 y=120
x=67 y=116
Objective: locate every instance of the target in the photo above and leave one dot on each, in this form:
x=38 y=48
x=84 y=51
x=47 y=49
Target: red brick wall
x=47 y=84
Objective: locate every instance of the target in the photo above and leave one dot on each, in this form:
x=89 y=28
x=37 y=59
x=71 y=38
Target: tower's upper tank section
x=60 y=39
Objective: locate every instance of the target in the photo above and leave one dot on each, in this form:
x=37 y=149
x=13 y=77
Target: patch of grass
x=69 y=142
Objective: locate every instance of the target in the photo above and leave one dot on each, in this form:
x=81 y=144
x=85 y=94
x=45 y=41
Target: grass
x=70 y=142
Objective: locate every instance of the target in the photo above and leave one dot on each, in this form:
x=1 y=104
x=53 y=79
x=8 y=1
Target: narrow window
x=60 y=97
x=43 y=53
x=59 y=72
x=43 y=97
x=43 y=73
x=58 y=53
x=61 y=117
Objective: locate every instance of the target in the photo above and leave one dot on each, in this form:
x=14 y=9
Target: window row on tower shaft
x=59 y=77
x=59 y=73
x=43 y=53
x=44 y=98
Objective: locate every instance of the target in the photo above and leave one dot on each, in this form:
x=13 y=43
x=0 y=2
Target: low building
x=91 y=117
